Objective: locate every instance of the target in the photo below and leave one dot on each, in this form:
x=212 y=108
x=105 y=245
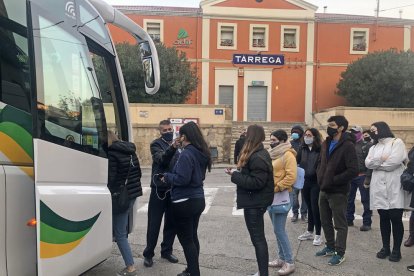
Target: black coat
x=255 y=186
x=410 y=170
x=308 y=160
x=119 y=155
x=336 y=170
x=163 y=160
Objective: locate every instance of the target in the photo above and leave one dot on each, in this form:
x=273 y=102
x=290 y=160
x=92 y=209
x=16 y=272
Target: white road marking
x=236 y=212
x=209 y=195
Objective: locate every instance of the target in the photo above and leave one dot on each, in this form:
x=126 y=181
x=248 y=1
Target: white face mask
x=308 y=140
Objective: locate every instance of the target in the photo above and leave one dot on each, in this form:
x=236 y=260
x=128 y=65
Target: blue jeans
x=120 y=231
x=279 y=227
x=358 y=183
x=294 y=199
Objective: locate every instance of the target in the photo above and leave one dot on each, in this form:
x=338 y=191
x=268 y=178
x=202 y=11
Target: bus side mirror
x=148 y=67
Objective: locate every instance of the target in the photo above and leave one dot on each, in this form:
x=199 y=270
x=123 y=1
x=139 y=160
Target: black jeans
x=311 y=195
x=387 y=218
x=333 y=206
x=255 y=224
x=187 y=215
x=156 y=210
x=358 y=183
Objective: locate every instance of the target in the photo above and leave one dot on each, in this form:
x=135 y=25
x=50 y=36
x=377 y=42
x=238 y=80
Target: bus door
x=2 y=222
x=73 y=203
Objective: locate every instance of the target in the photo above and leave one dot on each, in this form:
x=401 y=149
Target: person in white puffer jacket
x=386 y=158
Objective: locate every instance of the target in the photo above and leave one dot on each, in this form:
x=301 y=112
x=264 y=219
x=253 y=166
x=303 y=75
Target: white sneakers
x=276 y=263
x=286 y=269
x=317 y=240
x=306 y=236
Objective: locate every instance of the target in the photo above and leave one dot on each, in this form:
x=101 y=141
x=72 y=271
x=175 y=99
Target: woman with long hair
x=254 y=181
x=285 y=172
x=307 y=158
x=123 y=168
x=386 y=159
x=187 y=192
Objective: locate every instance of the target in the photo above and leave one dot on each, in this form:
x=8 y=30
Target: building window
x=290 y=38
x=259 y=37
x=227 y=36
x=359 y=41
x=155 y=29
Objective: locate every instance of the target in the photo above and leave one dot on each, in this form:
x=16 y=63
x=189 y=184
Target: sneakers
x=336 y=259
x=317 y=240
x=125 y=272
x=410 y=268
x=326 y=251
x=306 y=236
x=304 y=217
x=276 y=263
x=365 y=228
x=286 y=269
x=294 y=218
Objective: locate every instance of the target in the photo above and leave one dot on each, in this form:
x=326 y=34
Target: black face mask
x=331 y=131
x=275 y=144
x=373 y=135
x=367 y=139
x=168 y=136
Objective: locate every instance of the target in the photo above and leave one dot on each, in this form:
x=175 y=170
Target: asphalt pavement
x=226 y=249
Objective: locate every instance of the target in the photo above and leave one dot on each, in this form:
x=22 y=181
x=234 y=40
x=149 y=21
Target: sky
x=388 y=8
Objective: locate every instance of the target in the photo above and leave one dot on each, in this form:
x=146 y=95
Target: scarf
x=279 y=150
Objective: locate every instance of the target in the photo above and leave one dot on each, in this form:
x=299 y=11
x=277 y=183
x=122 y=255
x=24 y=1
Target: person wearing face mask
x=187 y=192
x=296 y=142
x=284 y=174
x=307 y=159
x=337 y=167
x=163 y=151
x=362 y=148
x=386 y=158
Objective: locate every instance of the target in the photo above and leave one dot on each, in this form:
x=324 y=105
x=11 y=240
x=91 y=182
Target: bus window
x=14 y=67
x=69 y=103
x=93 y=26
x=13 y=10
x=104 y=65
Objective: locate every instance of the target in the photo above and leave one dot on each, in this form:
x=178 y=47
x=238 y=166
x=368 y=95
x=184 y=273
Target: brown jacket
x=336 y=170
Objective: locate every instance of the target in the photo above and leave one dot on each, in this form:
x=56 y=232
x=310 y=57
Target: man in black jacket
x=163 y=151
x=239 y=145
x=362 y=149
x=338 y=166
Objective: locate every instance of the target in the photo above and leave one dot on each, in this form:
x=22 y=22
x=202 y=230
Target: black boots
x=383 y=253
x=395 y=256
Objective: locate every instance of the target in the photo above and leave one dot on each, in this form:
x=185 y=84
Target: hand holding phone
x=230 y=171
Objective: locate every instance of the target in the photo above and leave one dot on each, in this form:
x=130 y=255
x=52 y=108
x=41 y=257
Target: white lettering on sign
x=259 y=59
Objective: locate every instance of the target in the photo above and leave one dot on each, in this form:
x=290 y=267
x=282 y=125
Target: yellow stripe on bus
x=49 y=250
x=13 y=151
x=29 y=171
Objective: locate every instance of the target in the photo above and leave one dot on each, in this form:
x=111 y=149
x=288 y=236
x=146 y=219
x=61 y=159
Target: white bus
x=58 y=67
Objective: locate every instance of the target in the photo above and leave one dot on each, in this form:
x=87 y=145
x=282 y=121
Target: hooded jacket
x=255 y=181
x=119 y=155
x=189 y=172
x=336 y=170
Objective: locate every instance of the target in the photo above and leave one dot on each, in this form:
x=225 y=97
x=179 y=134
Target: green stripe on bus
x=20 y=135
x=52 y=219
x=55 y=236
x=17 y=116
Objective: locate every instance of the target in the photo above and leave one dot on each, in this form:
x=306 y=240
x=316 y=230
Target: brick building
x=272 y=60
